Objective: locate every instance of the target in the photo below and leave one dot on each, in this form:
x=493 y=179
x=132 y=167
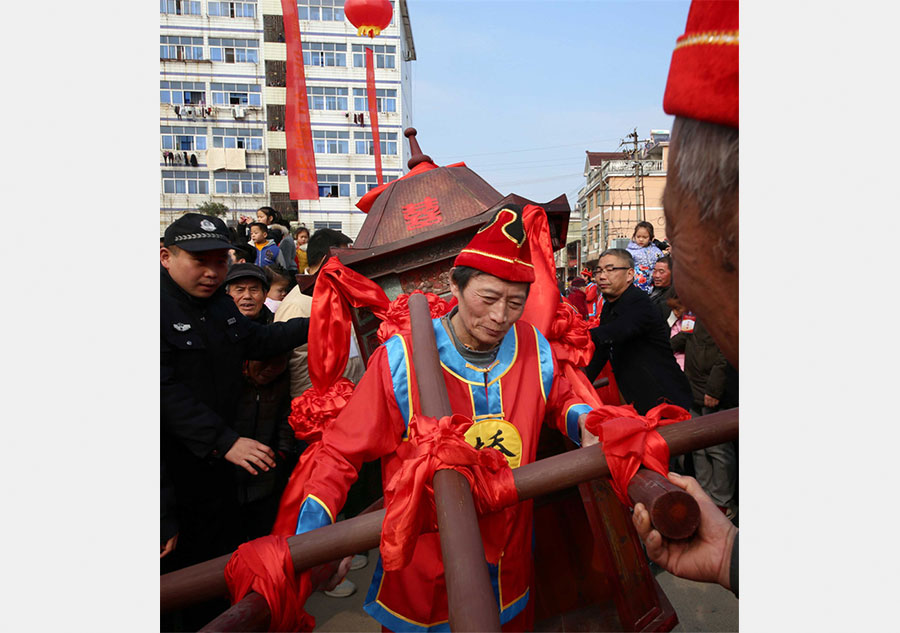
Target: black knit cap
x=241 y=271
x=197 y=232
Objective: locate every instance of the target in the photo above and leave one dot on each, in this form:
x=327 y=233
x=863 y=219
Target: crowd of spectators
x=229 y=369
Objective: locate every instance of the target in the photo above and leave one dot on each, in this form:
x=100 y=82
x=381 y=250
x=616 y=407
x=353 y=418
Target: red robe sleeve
x=563 y=405
x=590 y=292
x=369 y=427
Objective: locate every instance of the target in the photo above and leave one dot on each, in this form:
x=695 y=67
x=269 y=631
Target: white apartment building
x=222 y=98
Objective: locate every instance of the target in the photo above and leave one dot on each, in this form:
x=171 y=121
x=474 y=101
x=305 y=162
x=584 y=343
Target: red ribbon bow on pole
x=409 y=496
x=264 y=565
x=630 y=440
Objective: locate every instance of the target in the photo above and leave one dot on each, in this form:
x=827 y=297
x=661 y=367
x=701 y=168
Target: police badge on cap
x=196 y=232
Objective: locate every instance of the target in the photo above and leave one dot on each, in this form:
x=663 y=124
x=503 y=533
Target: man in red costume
x=501 y=373
x=592 y=294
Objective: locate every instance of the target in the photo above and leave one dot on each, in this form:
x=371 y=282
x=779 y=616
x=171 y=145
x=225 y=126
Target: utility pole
x=638 y=173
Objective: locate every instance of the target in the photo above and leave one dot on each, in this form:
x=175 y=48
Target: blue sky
x=519 y=90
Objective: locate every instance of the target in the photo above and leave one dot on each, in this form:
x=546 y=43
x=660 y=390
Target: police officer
x=204 y=341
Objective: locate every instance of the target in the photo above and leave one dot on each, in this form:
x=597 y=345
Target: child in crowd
x=301 y=238
x=267 y=249
x=674 y=322
x=280 y=283
x=645 y=254
x=279 y=233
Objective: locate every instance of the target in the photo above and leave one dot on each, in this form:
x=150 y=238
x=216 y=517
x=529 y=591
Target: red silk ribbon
x=631 y=440
x=543 y=296
x=313 y=411
x=373 y=112
x=409 y=496
x=264 y=565
x=337 y=288
x=564 y=328
x=300 y=154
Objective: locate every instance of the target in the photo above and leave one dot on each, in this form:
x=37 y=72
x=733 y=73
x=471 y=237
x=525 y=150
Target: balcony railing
x=627 y=167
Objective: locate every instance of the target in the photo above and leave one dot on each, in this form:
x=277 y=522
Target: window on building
x=364 y=184
x=385 y=100
x=322 y=10
x=384 y=55
x=184 y=139
x=234 y=138
x=337 y=226
x=239 y=182
x=180 y=47
x=180 y=7
x=236 y=94
x=364 y=144
x=185 y=181
x=326 y=98
x=324 y=54
x=230 y=50
x=182 y=92
x=331 y=142
x=233 y=9
x=334 y=185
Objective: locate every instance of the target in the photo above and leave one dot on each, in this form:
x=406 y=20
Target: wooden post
x=673 y=511
x=470 y=597
x=206 y=580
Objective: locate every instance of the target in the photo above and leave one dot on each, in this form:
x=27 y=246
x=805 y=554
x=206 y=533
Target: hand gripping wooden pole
x=673 y=511
x=472 y=605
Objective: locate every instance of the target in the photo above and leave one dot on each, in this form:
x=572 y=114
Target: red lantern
x=370 y=17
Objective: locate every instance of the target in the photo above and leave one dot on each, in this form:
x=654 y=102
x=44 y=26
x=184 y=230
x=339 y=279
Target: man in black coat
x=204 y=342
x=634 y=338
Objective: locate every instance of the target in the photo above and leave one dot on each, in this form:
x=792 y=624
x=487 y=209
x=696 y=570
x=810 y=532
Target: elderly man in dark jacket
x=262 y=411
x=634 y=338
x=204 y=343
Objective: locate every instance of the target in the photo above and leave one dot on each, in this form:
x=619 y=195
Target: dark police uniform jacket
x=203 y=345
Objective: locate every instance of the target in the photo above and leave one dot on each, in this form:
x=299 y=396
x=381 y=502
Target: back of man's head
x=320 y=242
x=245 y=252
x=707 y=162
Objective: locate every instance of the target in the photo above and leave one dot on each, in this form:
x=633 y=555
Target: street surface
x=700 y=606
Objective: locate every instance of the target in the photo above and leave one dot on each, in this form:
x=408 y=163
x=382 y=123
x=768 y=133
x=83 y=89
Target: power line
x=530 y=165
x=529 y=180
x=537 y=149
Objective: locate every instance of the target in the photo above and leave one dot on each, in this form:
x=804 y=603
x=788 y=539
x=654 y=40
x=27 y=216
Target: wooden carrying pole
x=673 y=512
x=206 y=580
x=471 y=602
x=251 y=613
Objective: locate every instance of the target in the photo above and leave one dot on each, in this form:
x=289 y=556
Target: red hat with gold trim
x=500 y=247
x=703 y=77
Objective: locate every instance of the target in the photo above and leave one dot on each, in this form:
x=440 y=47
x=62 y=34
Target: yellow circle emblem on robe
x=499 y=435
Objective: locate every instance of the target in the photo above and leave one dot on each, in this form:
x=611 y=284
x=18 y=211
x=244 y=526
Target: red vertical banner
x=373 y=111
x=301 y=158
